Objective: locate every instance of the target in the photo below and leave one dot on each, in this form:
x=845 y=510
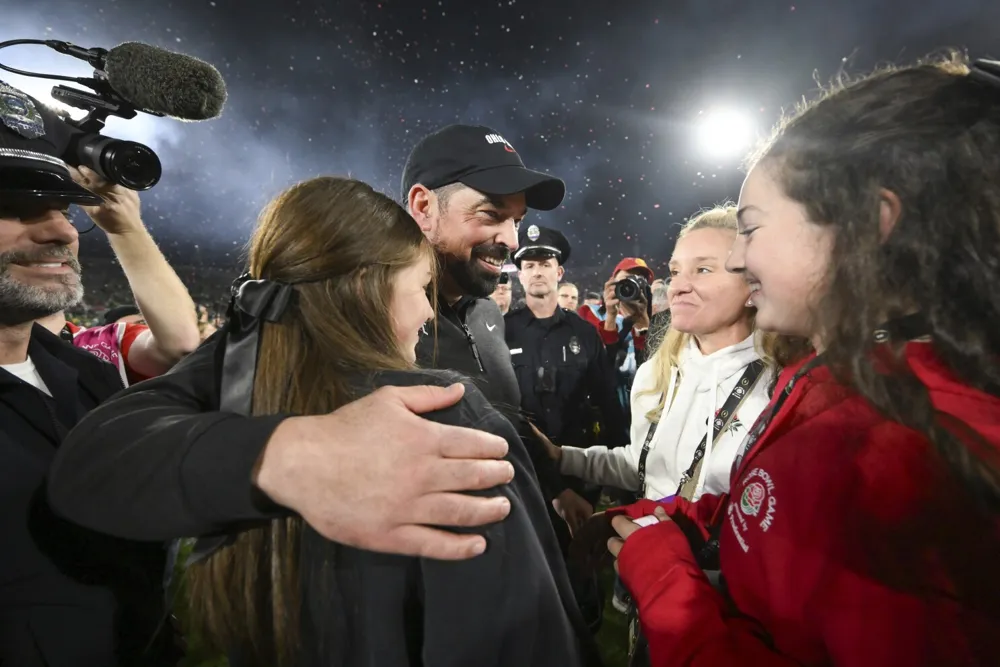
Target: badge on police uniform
x=574 y=345
x=533 y=232
x=18 y=112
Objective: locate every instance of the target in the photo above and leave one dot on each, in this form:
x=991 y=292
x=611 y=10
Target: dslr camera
x=632 y=289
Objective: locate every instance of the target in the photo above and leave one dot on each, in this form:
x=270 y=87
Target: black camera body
x=631 y=289
x=126 y=163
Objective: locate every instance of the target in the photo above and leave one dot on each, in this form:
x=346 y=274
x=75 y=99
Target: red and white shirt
x=111 y=342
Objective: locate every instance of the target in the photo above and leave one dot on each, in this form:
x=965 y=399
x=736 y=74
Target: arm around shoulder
x=160 y=461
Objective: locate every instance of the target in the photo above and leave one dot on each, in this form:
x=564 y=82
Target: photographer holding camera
x=623 y=320
x=503 y=293
x=628 y=294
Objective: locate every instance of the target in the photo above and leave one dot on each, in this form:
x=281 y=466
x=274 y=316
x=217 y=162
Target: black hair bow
x=253 y=302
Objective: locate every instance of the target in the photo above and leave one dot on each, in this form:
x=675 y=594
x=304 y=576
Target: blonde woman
x=709 y=362
x=694 y=399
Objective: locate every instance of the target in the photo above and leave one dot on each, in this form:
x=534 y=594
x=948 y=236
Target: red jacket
x=846 y=543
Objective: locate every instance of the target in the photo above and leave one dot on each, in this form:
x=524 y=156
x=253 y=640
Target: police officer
x=563 y=370
x=69 y=597
x=559 y=359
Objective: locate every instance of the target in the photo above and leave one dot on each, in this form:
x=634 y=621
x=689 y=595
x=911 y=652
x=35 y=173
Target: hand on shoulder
x=375 y=475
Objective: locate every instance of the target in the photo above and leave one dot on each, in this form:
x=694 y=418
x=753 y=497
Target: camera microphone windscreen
x=172 y=84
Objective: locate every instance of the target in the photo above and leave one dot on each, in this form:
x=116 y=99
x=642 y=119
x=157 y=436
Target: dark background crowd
x=644 y=109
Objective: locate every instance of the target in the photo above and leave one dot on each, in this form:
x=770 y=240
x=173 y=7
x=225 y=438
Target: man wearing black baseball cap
x=468 y=189
x=68 y=596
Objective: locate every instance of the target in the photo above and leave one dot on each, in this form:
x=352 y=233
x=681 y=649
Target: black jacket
x=562 y=369
x=69 y=597
x=469 y=338
x=160 y=462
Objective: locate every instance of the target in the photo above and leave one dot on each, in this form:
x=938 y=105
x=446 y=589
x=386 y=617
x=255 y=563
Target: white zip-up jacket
x=707 y=382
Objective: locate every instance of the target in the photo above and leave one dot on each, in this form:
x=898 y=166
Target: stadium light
x=723 y=133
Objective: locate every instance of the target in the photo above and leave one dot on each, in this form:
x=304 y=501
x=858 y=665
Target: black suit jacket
x=68 y=596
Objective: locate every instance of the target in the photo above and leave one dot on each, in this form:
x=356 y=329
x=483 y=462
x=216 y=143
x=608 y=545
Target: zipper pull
x=475 y=350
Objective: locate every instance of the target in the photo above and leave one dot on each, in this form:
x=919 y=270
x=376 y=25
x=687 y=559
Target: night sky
x=606 y=95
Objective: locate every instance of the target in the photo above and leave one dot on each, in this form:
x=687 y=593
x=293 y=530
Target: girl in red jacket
x=862 y=527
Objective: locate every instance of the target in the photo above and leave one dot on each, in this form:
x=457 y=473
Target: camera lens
x=126 y=163
x=627 y=290
x=130 y=164
x=631 y=288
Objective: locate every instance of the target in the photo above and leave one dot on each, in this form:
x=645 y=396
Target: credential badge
x=574 y=345
x=534 y=233
x=19 y=113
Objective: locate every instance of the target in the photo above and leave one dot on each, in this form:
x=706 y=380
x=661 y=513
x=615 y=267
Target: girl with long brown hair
x=862 y=527
x=339 y=287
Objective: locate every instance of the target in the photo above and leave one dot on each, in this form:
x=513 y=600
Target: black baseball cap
x=480 y=158
x=33 y=140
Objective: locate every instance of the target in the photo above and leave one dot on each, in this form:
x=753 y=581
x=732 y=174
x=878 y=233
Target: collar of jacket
x=54 y=359
x=556 y=318
x=67 y=371
x=456 y=311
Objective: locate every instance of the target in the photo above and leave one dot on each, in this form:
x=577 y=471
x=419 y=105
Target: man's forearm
x=161 y=296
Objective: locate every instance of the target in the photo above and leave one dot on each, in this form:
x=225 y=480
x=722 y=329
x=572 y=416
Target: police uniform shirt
x=560 y=363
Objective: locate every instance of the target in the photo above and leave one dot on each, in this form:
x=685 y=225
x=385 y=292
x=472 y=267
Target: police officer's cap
x=33 y=140
x=537 y=242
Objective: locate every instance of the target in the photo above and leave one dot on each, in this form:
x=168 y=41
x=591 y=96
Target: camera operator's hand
x=119 y=213
x=611 y=305
x=375 y=475
x=638 y=312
